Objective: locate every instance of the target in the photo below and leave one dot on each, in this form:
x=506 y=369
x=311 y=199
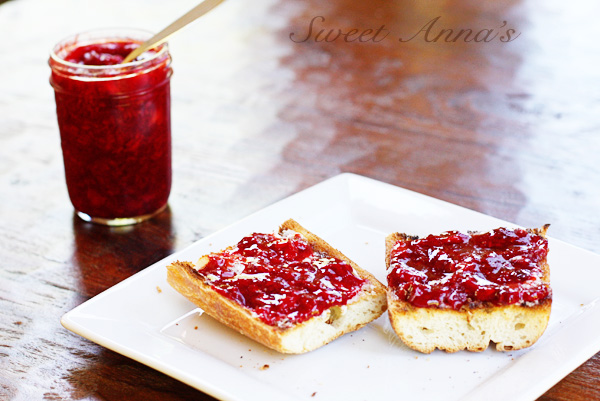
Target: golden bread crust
x=510 y=327
x=303 y=337
x=182 y=277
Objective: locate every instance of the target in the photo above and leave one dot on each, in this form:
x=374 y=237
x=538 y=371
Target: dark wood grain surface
x=261 y=110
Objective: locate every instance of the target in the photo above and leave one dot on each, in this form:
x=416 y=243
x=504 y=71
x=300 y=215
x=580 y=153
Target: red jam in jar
x=115 y=125
x=281 y=278
x=451 y=270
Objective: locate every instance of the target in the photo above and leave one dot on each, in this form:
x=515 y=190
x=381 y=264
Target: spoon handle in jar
x=163 y=35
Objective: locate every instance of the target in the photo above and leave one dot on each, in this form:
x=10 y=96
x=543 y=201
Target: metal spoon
x=162 y=36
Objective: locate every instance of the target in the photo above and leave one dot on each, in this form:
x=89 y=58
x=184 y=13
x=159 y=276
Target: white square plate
x=145 y=319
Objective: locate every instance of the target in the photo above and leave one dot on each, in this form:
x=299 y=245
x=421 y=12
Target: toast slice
x=290 y=290
x=476 y=288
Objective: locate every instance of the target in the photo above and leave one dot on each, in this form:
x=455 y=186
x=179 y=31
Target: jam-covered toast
x=289 y=290
x=458 y=291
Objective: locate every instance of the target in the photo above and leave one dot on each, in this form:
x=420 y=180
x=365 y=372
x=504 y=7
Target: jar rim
x=105 y=34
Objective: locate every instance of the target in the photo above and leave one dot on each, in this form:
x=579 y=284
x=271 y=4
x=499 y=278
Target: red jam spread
x=281 y=278
x=500 y=267
x=115 y=127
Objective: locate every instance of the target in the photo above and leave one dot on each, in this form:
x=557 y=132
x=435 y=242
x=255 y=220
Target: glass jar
x=115 y=125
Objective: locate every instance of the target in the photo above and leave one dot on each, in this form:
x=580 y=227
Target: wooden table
x=262 y=108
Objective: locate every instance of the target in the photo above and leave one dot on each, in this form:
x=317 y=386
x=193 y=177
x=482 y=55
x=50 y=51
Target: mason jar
x=115 y=125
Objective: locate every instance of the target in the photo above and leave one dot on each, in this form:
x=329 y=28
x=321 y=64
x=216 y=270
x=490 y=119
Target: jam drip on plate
x=281 y=278
x=500 y=267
